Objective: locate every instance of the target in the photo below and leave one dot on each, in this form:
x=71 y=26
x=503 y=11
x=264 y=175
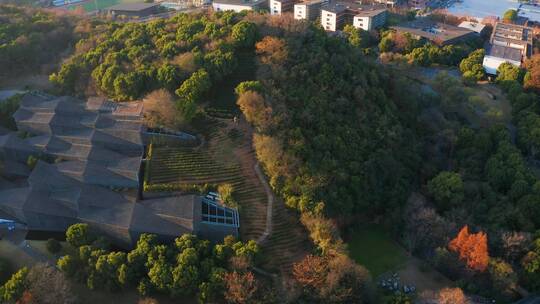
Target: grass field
x=372 y=247
x=93 y=5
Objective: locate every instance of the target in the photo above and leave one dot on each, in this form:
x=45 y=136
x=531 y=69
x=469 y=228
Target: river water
x=482 y=8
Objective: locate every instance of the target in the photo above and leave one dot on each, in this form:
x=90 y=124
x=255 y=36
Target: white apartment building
x=333 y=16
x=369 y=19
x=238 y=5
x=309 y=10
x=279 y=7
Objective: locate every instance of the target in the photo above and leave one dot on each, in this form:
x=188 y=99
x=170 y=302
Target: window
x=217 y=214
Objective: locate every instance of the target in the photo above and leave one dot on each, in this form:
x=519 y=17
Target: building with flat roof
x=336 y=15
x=89 y=171
x=497 y=55
x=530 y=12
x=309 y=10
x=134 y=9
x=476 y=27
x=279 y=7
x=389 y=3
x=436 y=32
x=370 y=17
x=419 y=4
x=508 y=43
x=239 y=5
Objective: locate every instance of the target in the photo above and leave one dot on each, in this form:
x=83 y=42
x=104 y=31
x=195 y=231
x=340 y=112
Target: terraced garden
x=228 y=157
x=213 y=164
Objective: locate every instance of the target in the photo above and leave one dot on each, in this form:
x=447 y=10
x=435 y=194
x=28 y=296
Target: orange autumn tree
x=472 y=248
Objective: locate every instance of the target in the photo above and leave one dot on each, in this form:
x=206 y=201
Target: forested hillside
x=30 y=38
x=337 y=127
x=184 y=54
x=345 y=141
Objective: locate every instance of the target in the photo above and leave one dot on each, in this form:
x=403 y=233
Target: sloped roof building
x=97 y=146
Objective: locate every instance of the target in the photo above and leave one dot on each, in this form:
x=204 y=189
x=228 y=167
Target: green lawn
x=372 y=247
x=92 y=5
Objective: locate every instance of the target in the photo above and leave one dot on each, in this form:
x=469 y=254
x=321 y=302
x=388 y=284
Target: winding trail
x=269 y=206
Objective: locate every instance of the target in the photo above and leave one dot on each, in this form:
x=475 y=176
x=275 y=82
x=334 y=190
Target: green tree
x=169 y=76
x=78 y=235
x=15 y=286
x=245 y=86
x=510 y=15
x=447 y=189
x=53 y=246
x=356 y=37
x=508 y=74
x=191 y=91
x=244 y=34
x=471 y=67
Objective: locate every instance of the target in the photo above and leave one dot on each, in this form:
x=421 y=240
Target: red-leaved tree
x=472 y=249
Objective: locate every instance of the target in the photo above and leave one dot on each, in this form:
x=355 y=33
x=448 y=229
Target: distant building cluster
x=86 y=167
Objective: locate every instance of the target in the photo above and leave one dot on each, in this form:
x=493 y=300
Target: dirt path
x=284 y=240
x=417 y=273
x=269 y=206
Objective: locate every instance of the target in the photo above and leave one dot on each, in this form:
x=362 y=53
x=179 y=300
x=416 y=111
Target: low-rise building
x=184 y=4
x=89 y=171
x=530 y=12
x=279 y=7
x=497 y=55
x=336 y=15
x=239 y=5
x=418 y=4
x=134 y=9
x=309 y=10
x=389 y=3
x=476 y=27
x=436 y=32
x=370 y=18
x=508 y=43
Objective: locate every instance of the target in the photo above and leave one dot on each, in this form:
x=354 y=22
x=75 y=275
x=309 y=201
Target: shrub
x=53 y=246
x=78 y=235
x=226 y=192
x=32 y=161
